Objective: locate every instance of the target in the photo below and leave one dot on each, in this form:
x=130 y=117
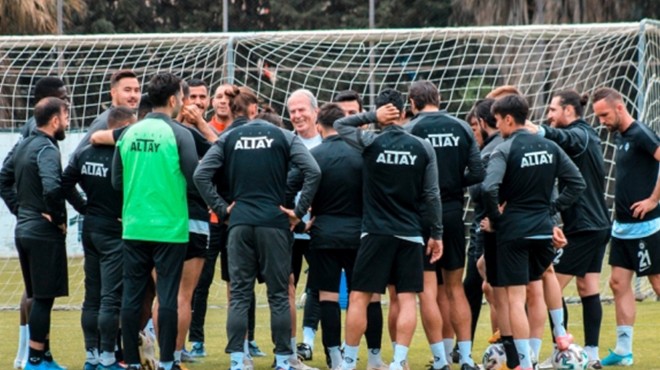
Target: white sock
x=439 y=356
x=624 y=335
x=350 y=357
x=393 y=345
x=374 y=356
x=26 y=354
x=335 y=356
x=177 y=356
x=92 y=356
x=107 y=358
x=449 y=346
x=535 y=346
x=465 y=352
x=400 y=357
x=293 y=349
x=23 y=334
x=236 y=359
x=246 y=348
x=522 y=346
x=557 y=317
x=308 y=336
x=592 y=352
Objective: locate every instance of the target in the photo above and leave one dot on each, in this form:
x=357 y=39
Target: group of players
x=376 y=194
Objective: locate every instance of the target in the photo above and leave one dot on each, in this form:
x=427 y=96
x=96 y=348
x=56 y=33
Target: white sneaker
x=547 y=364
x=248 y=363
x=382 y=366
x=18 y=363
x=299 y=365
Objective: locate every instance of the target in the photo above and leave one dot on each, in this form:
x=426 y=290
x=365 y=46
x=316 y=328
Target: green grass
x=68 y=347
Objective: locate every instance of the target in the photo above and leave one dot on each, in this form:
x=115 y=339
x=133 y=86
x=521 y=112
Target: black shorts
x=490 y=258
x=219 y=236
x=197 y=246
x=523 y=260
x=453 y=240
x=639 y=255
x=325 y=267
x=44 y=266
x=583 y=254
x=298 y=251
x=383 y=259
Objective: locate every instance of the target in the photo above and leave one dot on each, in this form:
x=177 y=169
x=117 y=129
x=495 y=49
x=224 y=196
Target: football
x=573 y=358
x=494 y=357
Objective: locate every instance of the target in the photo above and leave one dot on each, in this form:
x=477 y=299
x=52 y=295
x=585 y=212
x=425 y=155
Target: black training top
x=636 y=170
x=31 y=185
x=476 y=237
x=582 y=144
x=521 y=174
x=99 y=123
x=337 y=205
x=256 y=158
x=400 y=174
x=459 y=162
x=91 y=167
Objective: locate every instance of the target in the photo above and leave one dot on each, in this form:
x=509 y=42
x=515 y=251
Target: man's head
x=391 y=96
x=610 y=109
x=120 y=117
x=52 y=116
x=473 y=121
x=510 y=113
x=145 y=106
x=423 y=95
x=503 y=90
x=199 y=94
x=125 y=89
x=220 y=103
x=268 y=114
x=243 y=102
x=303 y=109
x=50 y=86
x=485 y=120
x=565 y=107
x=328 y=114
x=349 y=101
x=165 y=92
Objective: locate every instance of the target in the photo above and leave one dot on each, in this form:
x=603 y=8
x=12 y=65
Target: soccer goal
x=466 y=63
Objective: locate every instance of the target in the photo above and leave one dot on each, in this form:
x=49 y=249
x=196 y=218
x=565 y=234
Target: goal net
x=466 y=63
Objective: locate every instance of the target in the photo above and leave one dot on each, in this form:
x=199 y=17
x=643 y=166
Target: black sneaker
x=304 y=352
x=468 y=367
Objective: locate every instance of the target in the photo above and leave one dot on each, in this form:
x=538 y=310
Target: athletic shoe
x=296 y=364
x=53 y=365
x=255 y=351
x=614 y=359
x=248 y=363
x=186 y=357
x=594 y=365
x=547 y=364
x=18 y=364
x=88 y=366
x=41 y=366
x=382 y=366
x=468 y=367
x=179 y=366
x=495 y=338
x=563 y=342
x=197 y=350
x=446 y=367
x=304 y=352
x=115 y=366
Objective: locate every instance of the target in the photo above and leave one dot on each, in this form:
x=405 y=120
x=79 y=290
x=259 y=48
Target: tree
x=29 y=17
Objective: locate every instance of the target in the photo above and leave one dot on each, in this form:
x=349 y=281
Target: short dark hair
x=482 y=110
x=348 y=95
x=328 y=114
x=161 y=87
x=607 y=93
x=118 y=116
x=573 y=98
x=513 y=105
x=240 y=98
x=388 y=96
x=424 y=93
x=268 y=114
x=186 y=89
x=47 y=86
x=46 y=108
x=196 y=82
x=145 y=106
x=120 y=75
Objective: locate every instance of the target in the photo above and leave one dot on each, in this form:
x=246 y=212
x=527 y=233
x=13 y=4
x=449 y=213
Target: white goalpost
x=466 y=63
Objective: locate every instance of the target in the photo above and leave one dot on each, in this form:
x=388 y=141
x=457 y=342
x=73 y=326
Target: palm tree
x=29 y=17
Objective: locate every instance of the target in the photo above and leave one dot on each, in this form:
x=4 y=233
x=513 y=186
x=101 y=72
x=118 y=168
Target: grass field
x=68 y=347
